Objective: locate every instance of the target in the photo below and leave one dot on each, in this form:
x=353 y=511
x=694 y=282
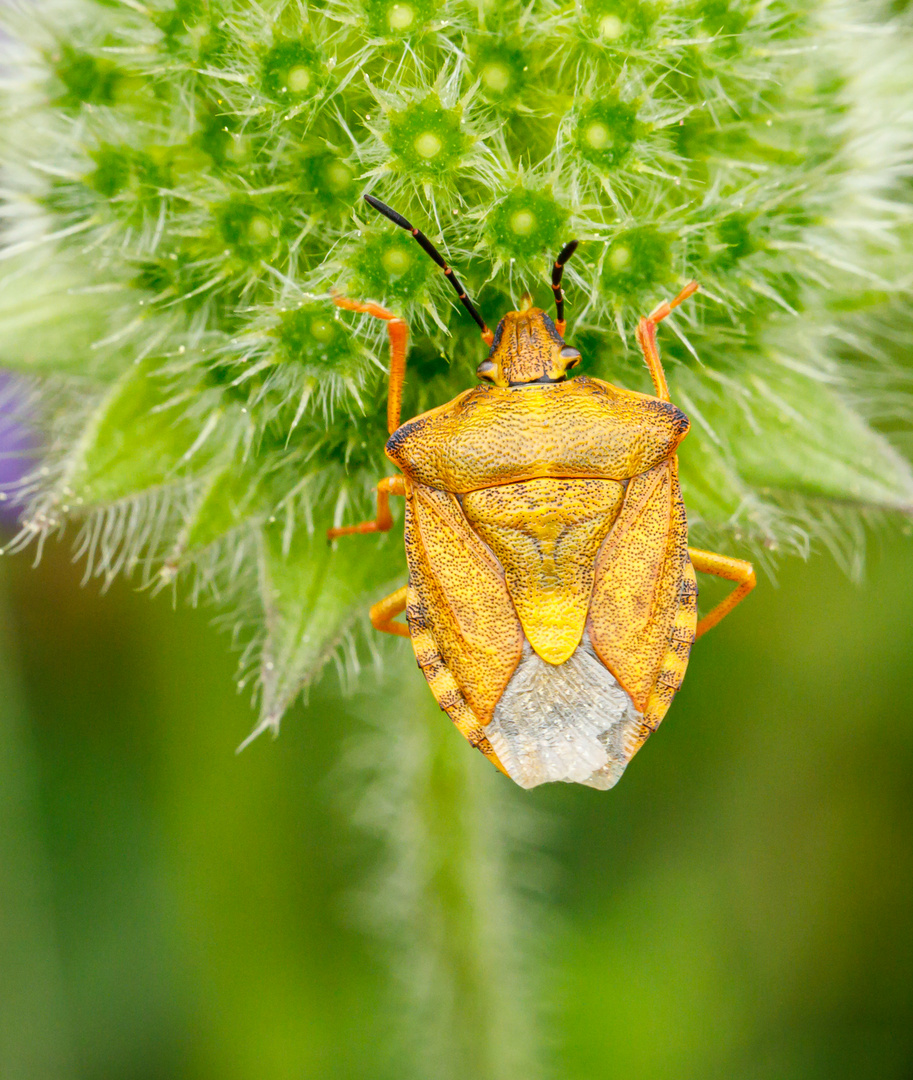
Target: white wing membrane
x=571 y=722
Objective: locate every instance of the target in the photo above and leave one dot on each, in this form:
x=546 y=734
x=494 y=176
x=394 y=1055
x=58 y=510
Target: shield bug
x=552 y=597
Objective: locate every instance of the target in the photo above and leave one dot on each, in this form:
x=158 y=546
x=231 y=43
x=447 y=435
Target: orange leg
x=398 y=333
x=646 y=338
x=737 y=570
x=385 y=611
x=392 y=485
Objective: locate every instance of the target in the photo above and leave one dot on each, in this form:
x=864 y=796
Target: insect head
x=527 y=346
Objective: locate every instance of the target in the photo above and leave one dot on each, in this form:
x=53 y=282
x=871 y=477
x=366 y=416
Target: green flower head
x=636 y=260
x=428 y=140
x=391 y=266
x=620 y=22
x=399 y=18
x=293 y=71
x=311 y=335
x=605 y=132
x=528 y=223
x=502 y=70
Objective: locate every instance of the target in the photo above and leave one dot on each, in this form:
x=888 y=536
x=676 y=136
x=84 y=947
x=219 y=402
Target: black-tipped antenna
x=557 y=270
x=431 y=250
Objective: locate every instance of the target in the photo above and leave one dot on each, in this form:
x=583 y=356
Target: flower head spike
x=399 y=18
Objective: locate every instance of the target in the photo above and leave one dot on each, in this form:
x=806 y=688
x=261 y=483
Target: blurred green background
x=739 y=906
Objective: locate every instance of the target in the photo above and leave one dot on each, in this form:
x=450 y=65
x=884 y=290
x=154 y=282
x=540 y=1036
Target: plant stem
x=447 y=900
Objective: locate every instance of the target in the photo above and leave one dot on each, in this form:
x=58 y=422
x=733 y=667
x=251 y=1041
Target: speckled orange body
x=545 y=531
x=572 y=487
x=494 y=435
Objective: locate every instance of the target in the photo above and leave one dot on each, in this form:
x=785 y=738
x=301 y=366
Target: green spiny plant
x=180 y=189
x=181 y=194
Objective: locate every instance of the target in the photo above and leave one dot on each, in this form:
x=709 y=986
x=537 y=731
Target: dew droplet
x=496 y=77
x=299 y=79
x=427 y=145
x=611 y=27
x=400 y=17
x=619 y=257
x=522 y=222
x=321 y=329
x=598 y=135
x=396 y=260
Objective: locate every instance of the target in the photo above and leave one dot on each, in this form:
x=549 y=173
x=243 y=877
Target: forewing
x=459 y=610
x=642 y=578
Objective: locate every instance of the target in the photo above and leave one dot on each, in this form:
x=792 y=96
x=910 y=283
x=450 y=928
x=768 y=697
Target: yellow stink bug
x=552 y=599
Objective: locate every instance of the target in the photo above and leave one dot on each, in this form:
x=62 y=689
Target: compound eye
x=486 y=370
x=571 y=355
